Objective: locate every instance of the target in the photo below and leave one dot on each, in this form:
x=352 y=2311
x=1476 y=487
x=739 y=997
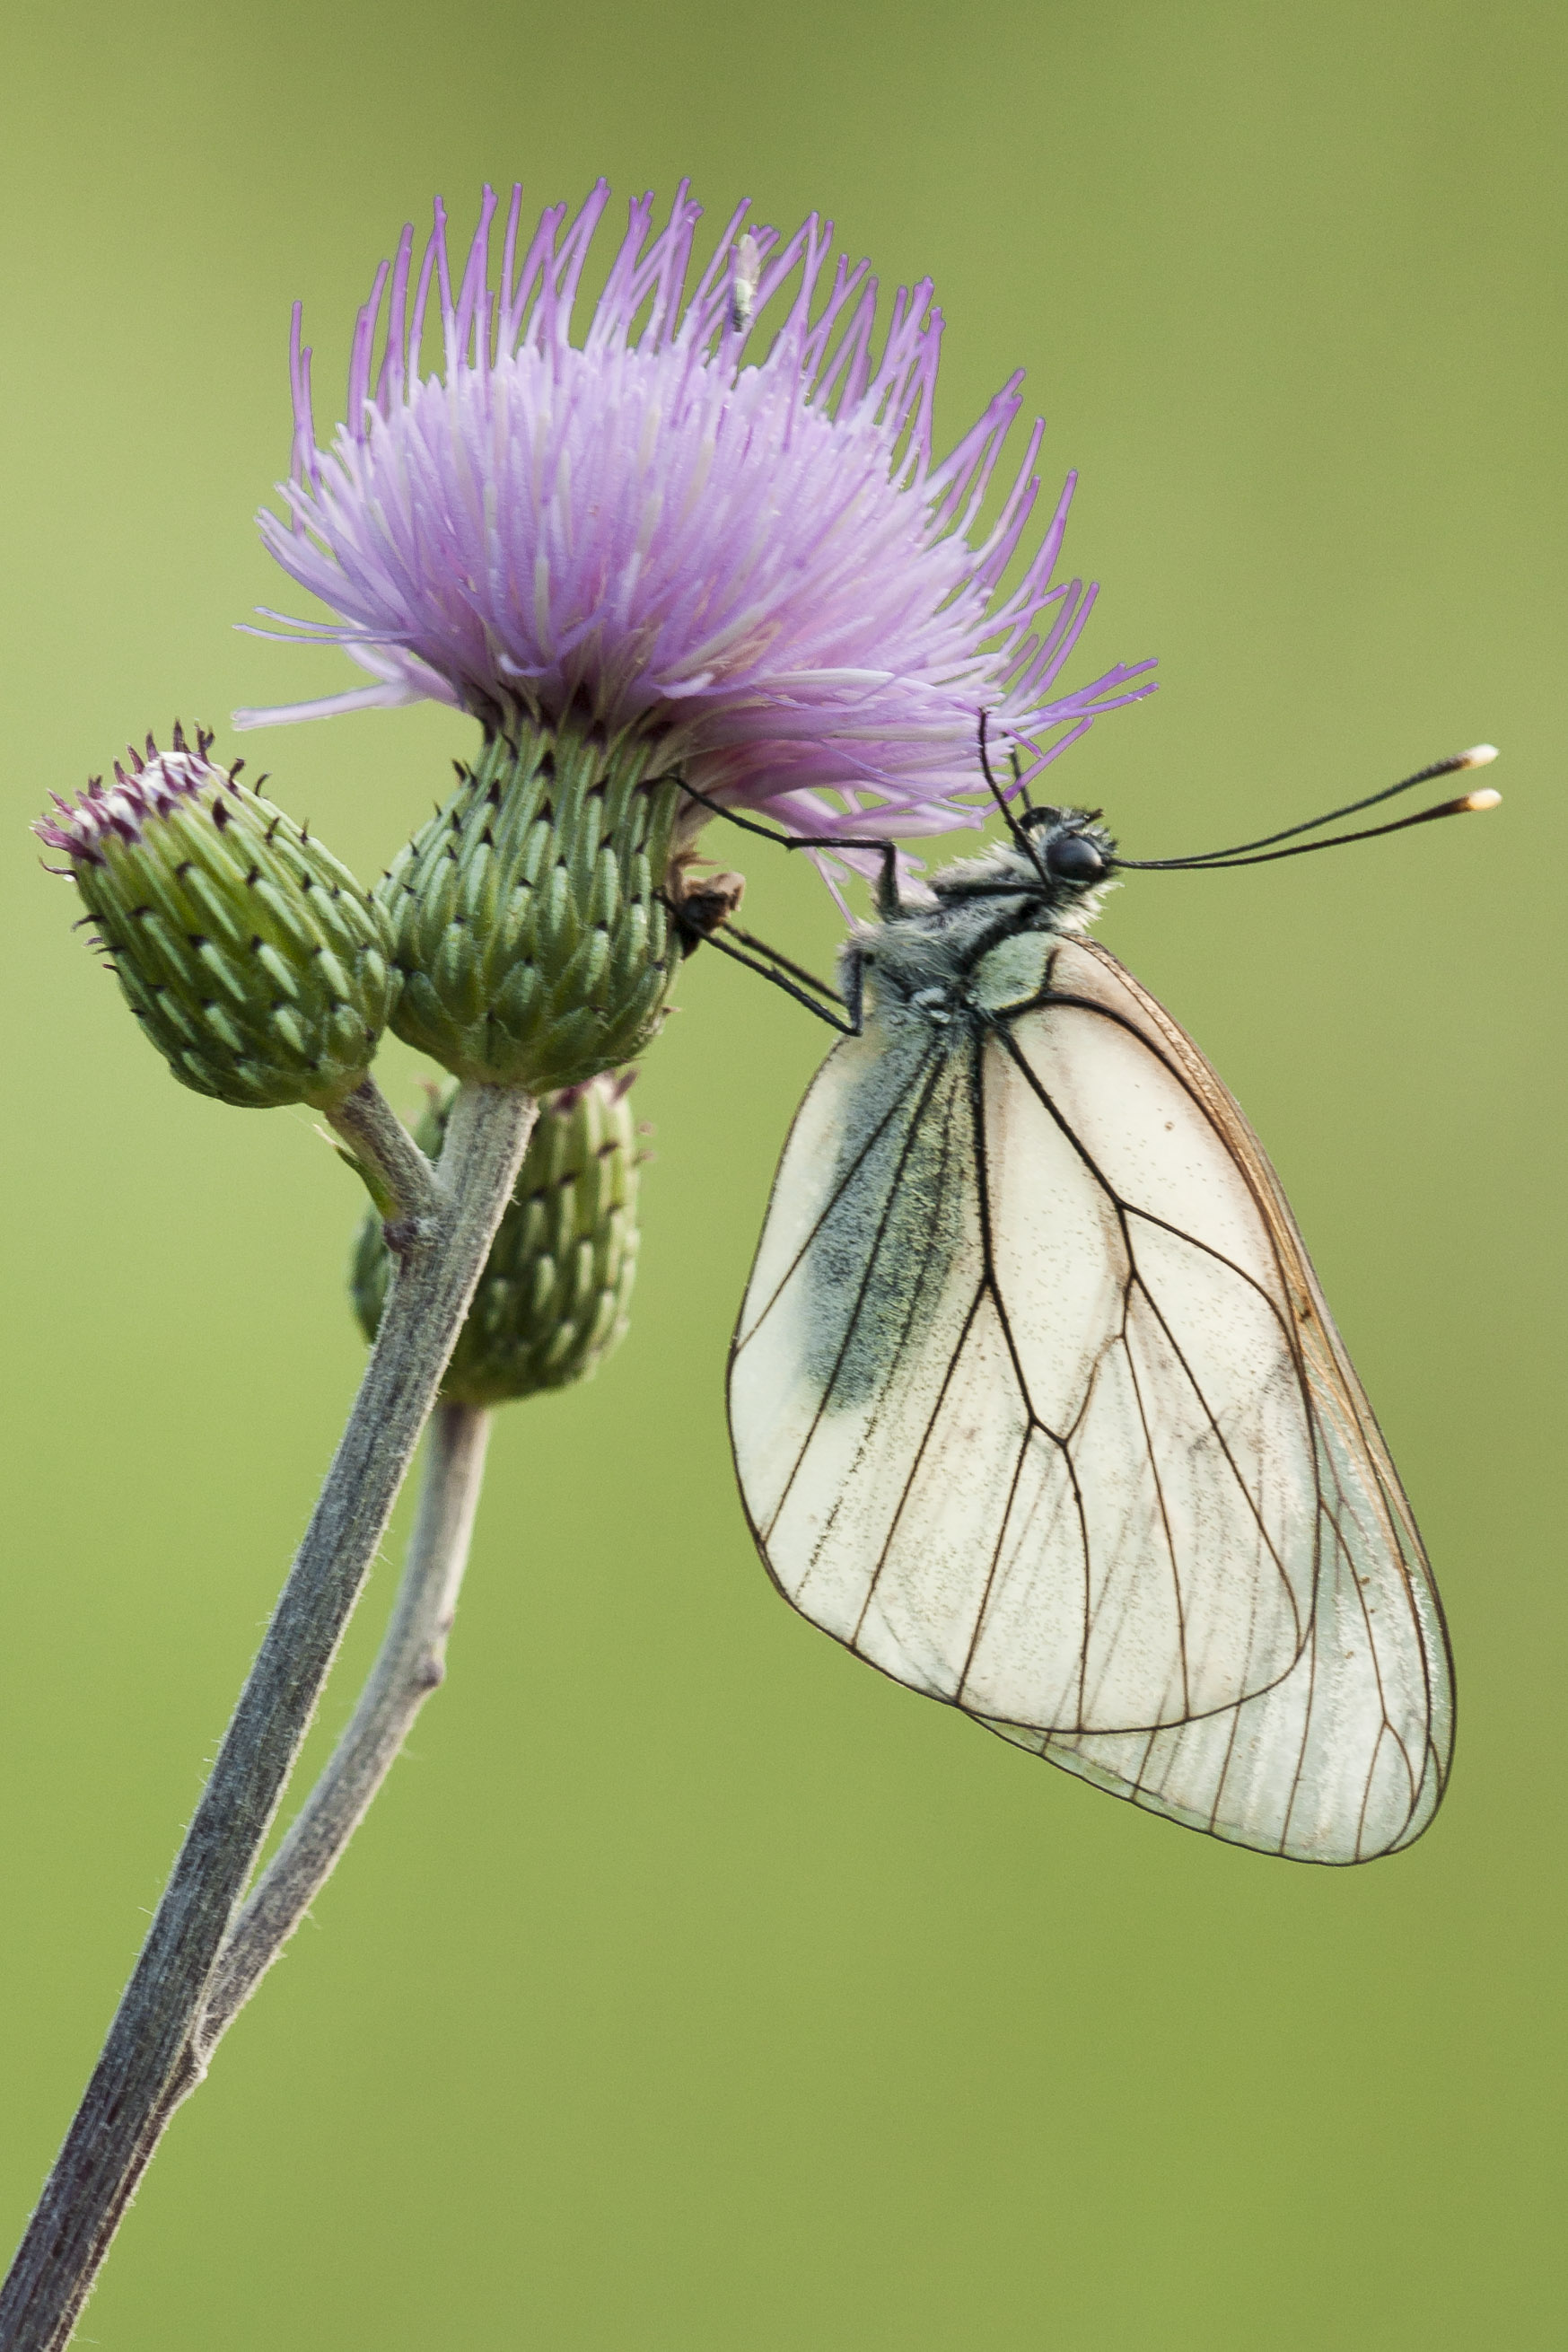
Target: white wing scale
x=1037 y=1406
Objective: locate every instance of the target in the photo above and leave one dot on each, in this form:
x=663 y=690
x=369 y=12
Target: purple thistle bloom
x=761 y=562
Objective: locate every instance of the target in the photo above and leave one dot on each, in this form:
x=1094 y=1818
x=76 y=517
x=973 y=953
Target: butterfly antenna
x=1468 y=804
x=1020 y=837
x=1480 y=755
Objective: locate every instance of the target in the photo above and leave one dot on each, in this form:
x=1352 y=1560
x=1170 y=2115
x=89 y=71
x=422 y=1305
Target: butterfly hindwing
x=1347 y=1756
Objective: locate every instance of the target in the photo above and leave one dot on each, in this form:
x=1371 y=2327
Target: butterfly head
x=1050 y=875
x=1070 y=846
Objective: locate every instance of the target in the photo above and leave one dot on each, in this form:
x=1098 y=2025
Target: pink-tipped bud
x=251 y=958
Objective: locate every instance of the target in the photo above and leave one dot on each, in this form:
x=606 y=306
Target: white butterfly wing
x=1036 y=1405
x=860 y=1383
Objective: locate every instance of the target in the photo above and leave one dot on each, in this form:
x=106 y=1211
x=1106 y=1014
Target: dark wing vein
x=1033 y=1422
x=923 y=1070
x=908 y=1486
x=1152 y=1303
x=873 y=1419
x=933 y=1074
x=994 y=1562
x=1134 y=1281
x=1160 y=1486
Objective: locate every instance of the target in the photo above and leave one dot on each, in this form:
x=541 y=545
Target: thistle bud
x=253 y=959
x=552 y=1301
x=533 y=939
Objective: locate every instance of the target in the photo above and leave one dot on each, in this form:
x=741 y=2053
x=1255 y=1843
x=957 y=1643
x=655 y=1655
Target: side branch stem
x=410 y=1665
x=405 y=1183
x=116 y=2127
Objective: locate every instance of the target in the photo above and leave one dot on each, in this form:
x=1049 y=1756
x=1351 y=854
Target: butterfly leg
x=779 y=967
x=784 y=962
x=888 y=902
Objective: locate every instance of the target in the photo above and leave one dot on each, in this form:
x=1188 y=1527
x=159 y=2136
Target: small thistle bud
x=553 y=1298
x=532 y=935
x=253 y=959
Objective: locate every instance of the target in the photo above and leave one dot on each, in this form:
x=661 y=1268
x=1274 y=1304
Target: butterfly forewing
x=1036 y=1405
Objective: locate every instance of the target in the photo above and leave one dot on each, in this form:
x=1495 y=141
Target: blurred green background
x=692 y=1986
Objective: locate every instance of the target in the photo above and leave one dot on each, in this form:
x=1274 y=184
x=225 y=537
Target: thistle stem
x=411 y=1665
x=119 y=2122
x=404 y=1181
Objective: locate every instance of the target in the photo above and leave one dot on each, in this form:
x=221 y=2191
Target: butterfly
x=1035 y=1399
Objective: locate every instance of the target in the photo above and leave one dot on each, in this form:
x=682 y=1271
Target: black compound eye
x=1072 y=859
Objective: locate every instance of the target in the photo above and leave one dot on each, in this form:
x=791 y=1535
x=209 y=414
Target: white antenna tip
x=1481 y=756
x=1485 y=800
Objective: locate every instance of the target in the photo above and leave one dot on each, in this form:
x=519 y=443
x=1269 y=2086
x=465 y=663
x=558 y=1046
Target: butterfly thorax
x=960 y=946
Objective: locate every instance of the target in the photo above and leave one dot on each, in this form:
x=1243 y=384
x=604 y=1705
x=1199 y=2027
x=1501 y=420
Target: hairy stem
x=408 y=1668
x=440 y=1256
x=404 y=1183
x=410 y=1665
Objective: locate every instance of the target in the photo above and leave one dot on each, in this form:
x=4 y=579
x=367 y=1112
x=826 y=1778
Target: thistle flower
x=552 y=1301
x=760 y=559
x=253 y=959
x=681 y=564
